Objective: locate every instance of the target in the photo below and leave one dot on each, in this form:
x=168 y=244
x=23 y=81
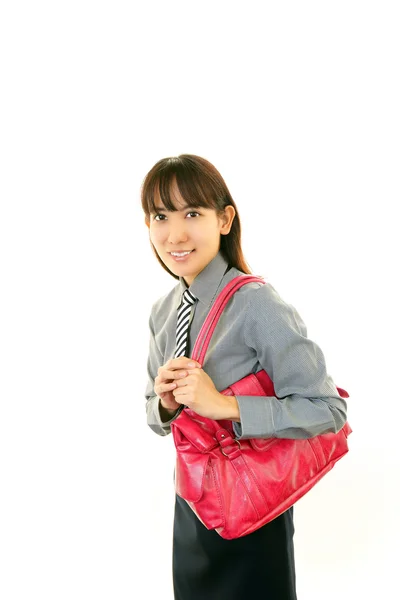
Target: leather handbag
x=235 y=487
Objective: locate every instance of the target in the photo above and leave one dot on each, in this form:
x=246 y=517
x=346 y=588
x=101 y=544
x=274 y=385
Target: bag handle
x=204 y=337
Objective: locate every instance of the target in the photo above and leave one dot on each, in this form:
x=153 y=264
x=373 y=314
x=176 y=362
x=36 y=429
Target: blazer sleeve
x=154 y=361
x=307 y=402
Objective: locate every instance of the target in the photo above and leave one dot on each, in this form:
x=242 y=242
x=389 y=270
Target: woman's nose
x=177 y=234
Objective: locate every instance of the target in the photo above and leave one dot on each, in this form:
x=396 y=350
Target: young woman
x=195 y=233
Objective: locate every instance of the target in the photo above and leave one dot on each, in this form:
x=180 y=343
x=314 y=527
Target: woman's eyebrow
x=163 y=209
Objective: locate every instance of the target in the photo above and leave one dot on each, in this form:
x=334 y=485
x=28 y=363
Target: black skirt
x=207 y=567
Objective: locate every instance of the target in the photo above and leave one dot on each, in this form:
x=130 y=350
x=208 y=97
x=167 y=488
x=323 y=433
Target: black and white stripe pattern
x=182 y=324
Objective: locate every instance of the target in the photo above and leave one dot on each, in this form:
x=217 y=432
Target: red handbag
x=235 y=487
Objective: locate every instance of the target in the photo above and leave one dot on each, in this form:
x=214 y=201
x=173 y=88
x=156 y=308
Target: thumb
x=194 y=363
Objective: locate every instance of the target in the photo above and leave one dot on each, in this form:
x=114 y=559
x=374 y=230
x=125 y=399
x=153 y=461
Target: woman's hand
x=166 y=380
x=196 y=390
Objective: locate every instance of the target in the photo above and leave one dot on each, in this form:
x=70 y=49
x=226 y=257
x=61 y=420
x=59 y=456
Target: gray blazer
x=257 y=330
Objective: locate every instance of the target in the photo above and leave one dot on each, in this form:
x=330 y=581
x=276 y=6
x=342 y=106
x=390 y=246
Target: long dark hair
x=200 y=184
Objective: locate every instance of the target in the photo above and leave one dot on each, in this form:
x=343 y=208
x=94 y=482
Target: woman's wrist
x=233 y=408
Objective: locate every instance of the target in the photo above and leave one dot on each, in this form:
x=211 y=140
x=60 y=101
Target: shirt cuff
x=166 y=424
x=237 y=429
x=255 y=418
x=154 y=419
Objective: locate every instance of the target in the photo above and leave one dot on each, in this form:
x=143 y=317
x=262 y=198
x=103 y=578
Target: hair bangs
x=197 y=189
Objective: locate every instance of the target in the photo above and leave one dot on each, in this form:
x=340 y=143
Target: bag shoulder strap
x=204 y=337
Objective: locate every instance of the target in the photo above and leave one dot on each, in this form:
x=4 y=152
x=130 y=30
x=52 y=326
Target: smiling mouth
x=181 y=254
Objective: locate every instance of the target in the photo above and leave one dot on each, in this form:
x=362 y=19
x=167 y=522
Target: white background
x=297 y=105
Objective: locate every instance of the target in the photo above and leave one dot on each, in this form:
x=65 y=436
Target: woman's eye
x=159 y=215
x=193 y=212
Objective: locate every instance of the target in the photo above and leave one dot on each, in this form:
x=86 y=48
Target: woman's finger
x=164 y=387
x=164 y=374
x=183 y=362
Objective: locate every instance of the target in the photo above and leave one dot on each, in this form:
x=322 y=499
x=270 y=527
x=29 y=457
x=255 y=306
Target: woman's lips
x=181 y=258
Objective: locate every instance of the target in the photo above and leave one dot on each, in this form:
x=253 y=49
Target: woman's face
x=188 y=239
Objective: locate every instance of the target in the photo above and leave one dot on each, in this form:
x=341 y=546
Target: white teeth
x=180 y=253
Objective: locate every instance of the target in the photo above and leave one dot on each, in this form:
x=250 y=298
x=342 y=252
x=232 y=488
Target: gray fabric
x=257 y=330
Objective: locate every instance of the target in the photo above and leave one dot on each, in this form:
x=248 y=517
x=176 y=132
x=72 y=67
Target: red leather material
x=233 y=486
x=255 y=384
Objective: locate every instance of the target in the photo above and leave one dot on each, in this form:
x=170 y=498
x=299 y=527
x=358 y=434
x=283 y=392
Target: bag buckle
x=227 y=455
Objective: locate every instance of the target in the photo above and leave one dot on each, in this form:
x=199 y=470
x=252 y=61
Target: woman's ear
x=227 y=219
x=147 y=222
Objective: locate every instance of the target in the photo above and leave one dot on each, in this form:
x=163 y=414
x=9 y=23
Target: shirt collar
x=207 y=282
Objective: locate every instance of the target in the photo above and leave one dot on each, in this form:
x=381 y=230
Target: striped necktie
x=182 y=325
